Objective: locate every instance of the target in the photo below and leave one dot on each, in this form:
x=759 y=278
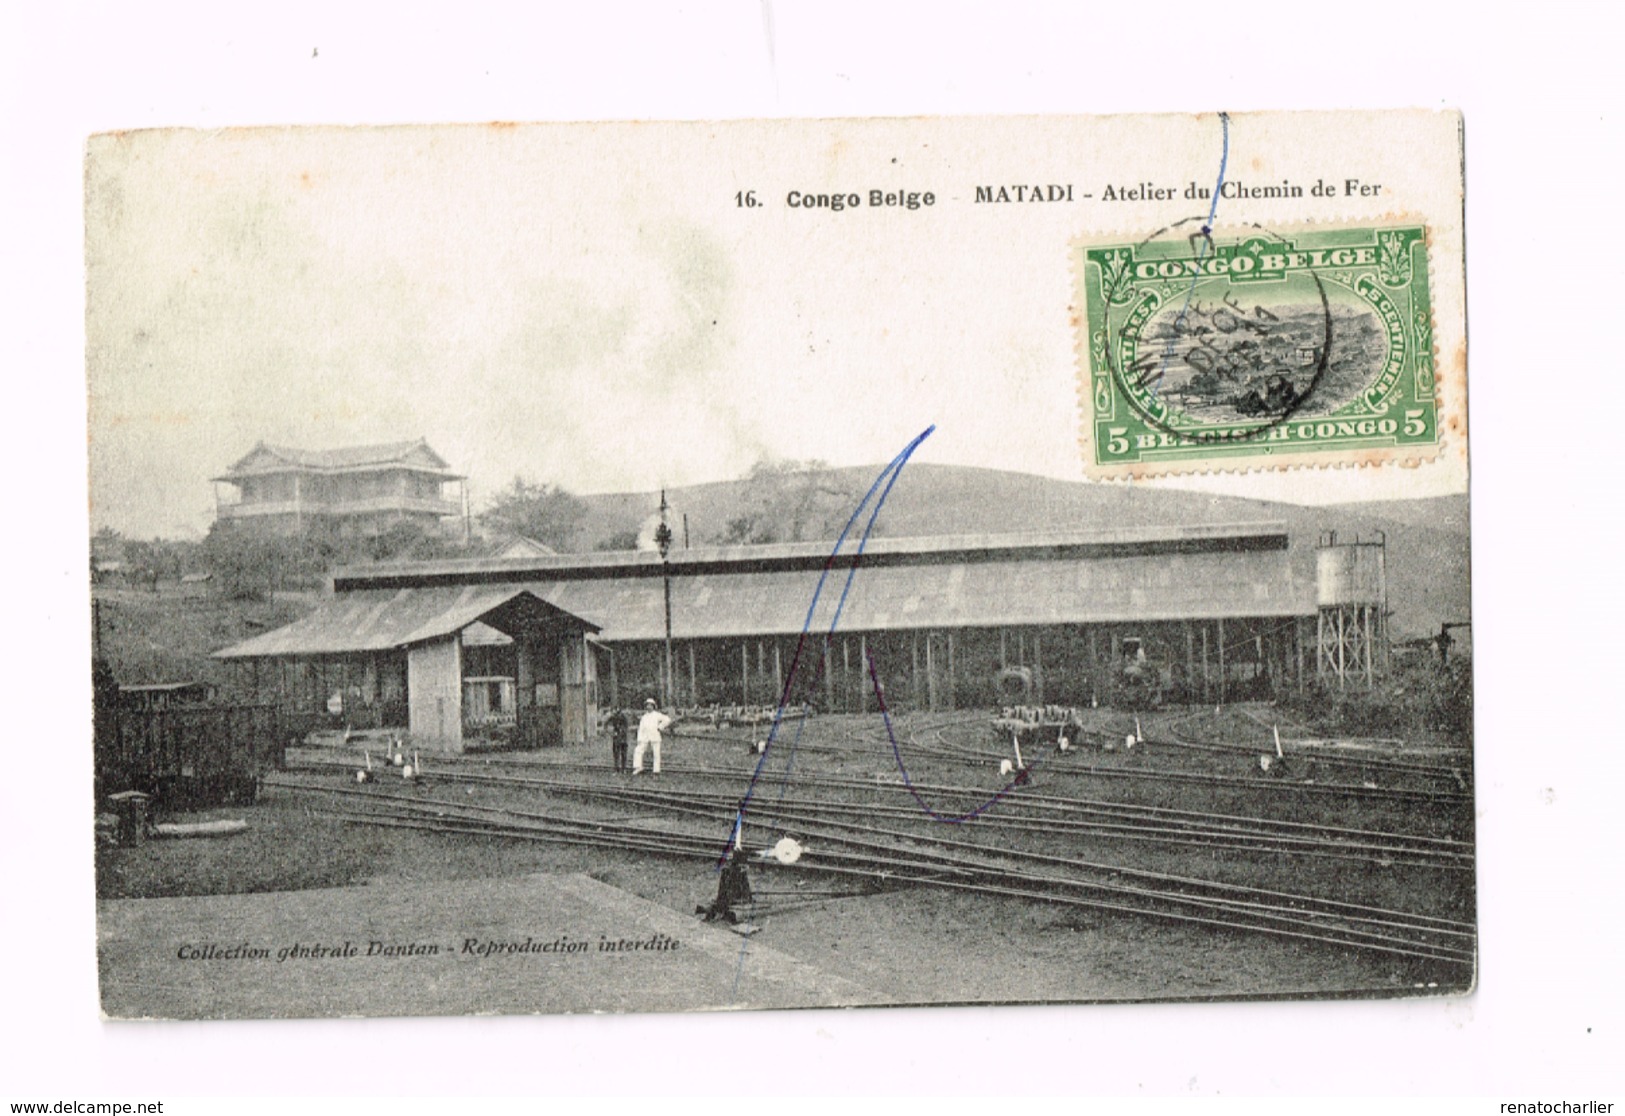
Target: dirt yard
x=913 y=943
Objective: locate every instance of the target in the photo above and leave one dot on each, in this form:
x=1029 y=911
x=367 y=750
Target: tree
x=404 y=541
x=790 y=501
x=544 y=512
x=620 y=540
x=253 y=564
x=161 y=559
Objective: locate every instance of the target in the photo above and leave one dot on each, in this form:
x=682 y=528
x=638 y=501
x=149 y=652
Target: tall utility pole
x=663 y=541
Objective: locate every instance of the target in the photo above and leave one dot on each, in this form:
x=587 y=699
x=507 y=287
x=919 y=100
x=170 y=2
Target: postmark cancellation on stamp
x=1250 y=348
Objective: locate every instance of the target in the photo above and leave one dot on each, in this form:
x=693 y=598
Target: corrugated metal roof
x=1240 y=574
x=382 y=619
x=920 y=550
x=969 y=594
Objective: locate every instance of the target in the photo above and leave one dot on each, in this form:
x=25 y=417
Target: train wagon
x=184 y=755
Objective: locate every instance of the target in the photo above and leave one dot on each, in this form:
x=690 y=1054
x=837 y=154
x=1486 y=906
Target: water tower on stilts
x=1352 y=592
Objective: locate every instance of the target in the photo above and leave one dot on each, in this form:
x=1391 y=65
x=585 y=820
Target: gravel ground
x=915 y=944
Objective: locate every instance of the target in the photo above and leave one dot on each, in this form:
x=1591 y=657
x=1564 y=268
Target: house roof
x=265 y=458
x=385 y=619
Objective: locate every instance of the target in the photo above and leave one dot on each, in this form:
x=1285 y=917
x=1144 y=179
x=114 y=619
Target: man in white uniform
x=649 y=728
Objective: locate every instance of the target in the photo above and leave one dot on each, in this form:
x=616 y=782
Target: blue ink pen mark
x=883 y=486
x=879 y=491
x=1201 y=254
x=888 y=477
x=908 y=783
x=1224 y=160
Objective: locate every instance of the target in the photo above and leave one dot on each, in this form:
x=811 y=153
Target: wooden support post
x=744 y=672
x=1094 y=666
x=1342 y=662
x=1320 y=644
x=1004 y=658
x=693 y=679
x=829 y=676
x=1190 y=657
x=845 y=674
x=1221 y=661
x=778 y=673
x=1369 y=615
x=953 y=683
x=863 y=673
x=1297 y=643
x=1038 y=670
x=931 y=688
x=914 y=668
x=1207 y=682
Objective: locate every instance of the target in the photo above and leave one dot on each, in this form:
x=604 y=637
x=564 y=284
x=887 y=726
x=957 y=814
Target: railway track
x=1456 y=774
x=1099 y=811
x=1453 y=788
x=875 y=829
x=928 y=735
x=884 y=856
x=1047 y=815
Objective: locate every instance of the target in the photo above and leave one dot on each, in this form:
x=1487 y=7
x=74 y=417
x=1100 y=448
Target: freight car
x=183 y=755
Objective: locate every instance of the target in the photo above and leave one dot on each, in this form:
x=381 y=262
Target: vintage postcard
x=672 y=567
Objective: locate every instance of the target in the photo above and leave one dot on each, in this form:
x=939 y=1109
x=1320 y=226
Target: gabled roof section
x=267 y=458
x=385 y=619
x=1076 y=577
x=1139 y=542
x=516 y=546
x=1004 y=591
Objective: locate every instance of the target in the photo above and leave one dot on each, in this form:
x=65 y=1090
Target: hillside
x=1427 y=539
x=1447 y=512
x=169 y=636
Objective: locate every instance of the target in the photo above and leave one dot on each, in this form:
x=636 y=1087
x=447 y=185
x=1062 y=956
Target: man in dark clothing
x=618 y=725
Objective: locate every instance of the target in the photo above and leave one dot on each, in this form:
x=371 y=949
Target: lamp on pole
x=663 y=541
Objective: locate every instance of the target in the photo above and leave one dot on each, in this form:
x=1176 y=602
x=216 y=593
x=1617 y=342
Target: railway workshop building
x=531 y=647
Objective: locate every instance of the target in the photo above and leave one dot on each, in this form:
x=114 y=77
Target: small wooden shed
x=361 y=646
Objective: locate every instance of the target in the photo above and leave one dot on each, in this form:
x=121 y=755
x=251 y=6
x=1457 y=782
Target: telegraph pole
x=663 y=541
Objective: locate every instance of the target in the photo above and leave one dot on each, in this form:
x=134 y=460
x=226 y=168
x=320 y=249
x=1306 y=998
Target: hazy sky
x=589 y=305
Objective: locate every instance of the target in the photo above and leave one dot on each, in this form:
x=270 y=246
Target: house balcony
x=369 y=506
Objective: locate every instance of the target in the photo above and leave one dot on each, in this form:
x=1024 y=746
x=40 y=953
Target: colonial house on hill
x=354 y=491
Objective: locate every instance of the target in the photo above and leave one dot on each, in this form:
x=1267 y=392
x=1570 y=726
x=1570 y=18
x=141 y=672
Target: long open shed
x=1211 y=612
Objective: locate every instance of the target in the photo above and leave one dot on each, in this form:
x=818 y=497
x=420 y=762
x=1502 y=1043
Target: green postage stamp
x=1251 y=348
